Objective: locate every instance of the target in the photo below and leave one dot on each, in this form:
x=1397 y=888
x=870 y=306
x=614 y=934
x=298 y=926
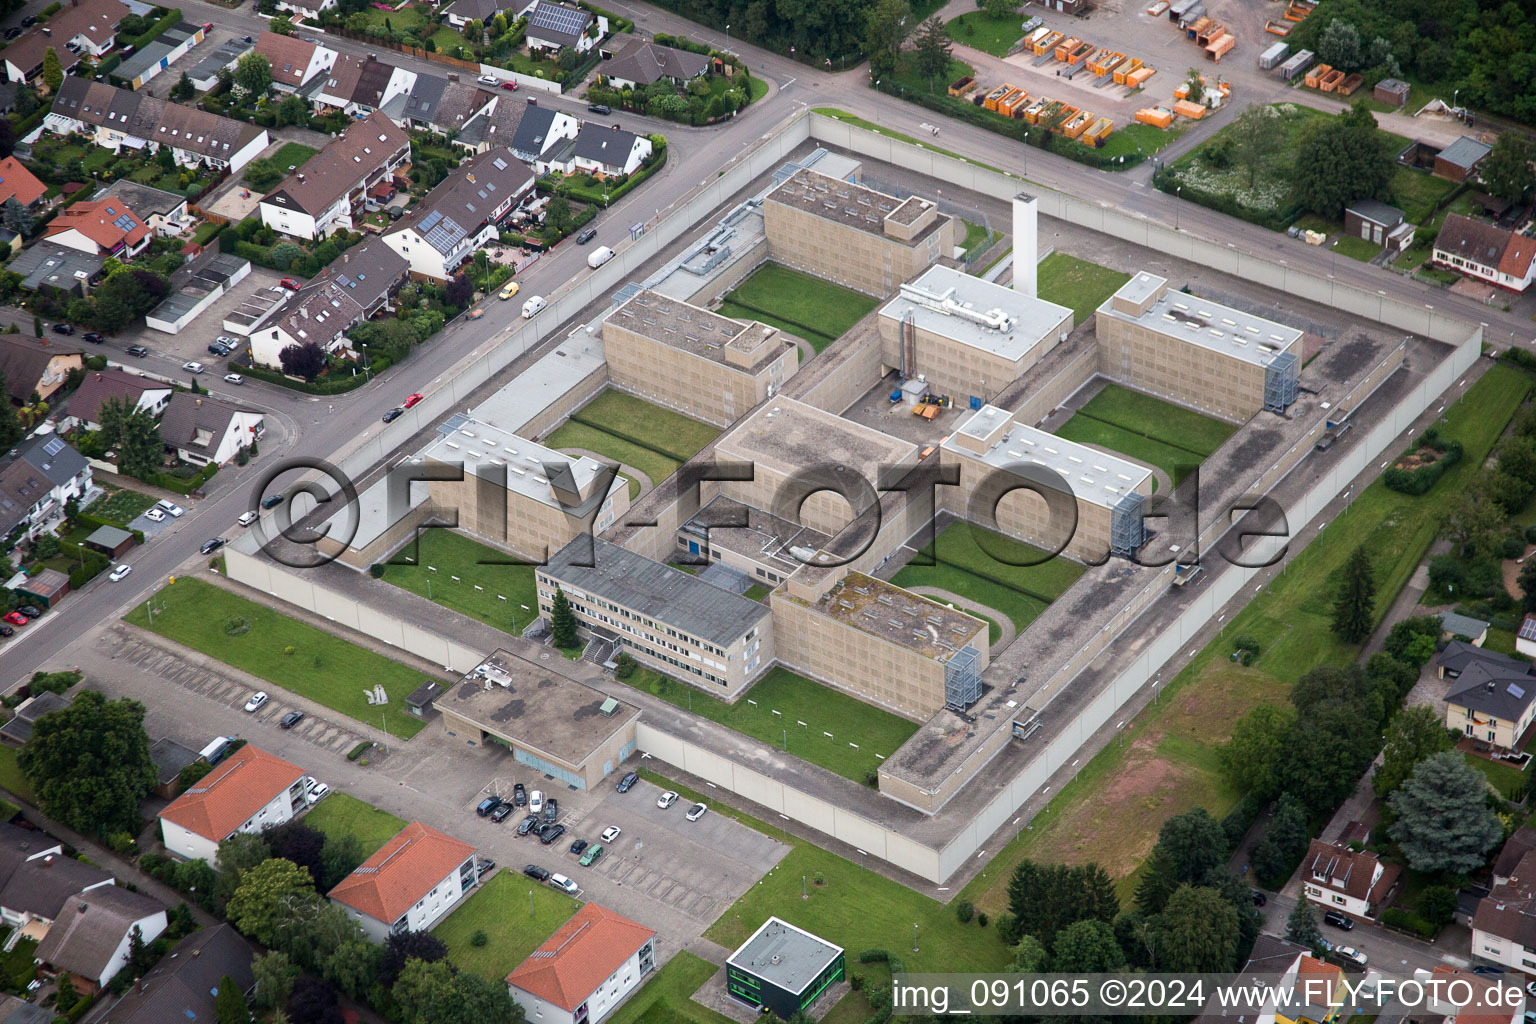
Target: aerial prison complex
x=939 y=407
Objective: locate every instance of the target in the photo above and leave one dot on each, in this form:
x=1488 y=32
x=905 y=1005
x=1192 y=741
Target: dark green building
x=782 y=968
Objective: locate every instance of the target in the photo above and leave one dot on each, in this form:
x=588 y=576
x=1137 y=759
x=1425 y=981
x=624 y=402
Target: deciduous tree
x=89 y=764
x=1506 y=171
x=273 y=897
x=408 y=945
x=303 y=360
x=274 y=974
x=1190 y=846
x=1087 y=947
x=1253 y=758
x=1413 y=734
x=1340 y=46
x=1196 y=931
x=253 y=74
x=1340 y=160
x=885 y=27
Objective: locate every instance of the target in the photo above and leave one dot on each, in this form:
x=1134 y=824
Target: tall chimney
x=1025 y=244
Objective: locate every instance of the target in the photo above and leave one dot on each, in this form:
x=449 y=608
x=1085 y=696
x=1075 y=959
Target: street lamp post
x=727 y=38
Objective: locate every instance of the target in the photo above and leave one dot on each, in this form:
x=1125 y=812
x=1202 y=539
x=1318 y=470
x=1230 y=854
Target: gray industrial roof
x=484 y=450
x=1377 y=212
x=1465 y=152
x=783 y=955
x=1462 y=625
x=788 y=436
x=1199 y=321
x=978 y=313
x=655 y=590
x=1094 y=476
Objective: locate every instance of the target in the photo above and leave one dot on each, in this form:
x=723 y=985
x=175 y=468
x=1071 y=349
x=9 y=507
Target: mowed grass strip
x=800 y=301
x=571 y=434
x=797 y=699
x=1078 y=284
x=646 y=423
x=1176 y=462
x=501 y=909
x=322 y=667
x=1174 y=425
x=666 y=997
x=343 y=815
x=446 y=567
x=736 y=311
x=1166 y=764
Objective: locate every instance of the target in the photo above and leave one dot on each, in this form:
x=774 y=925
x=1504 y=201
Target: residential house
x=202 y=429
x=248 y=791
x=305 y=8
x=642 y=63
x=361 y=85
x=1469 y=998
x=1453 y=625
x=1486 y=252
x=494 y=127
x=323 y=316
x=1317 y=992
x=45 y=265
x=371 y=273
x=586 y=969
x=90 y=25
x=1459 y=161
x=106 y=227
x=37 y=880
x=1525 y=638
x=164 y=212
x=608 y=151
x=325 y=195
x=93 y=935
x=295 y=62
x=553 y=25
x=1520 y=843
x=171 y=45
x=114 y=118
x=1352 y=881
x=462 y=214
x=1371 y=220
x=37 y=481
x=462 y=12
x=438 y=104
x=539 y=131
x=99 y=386
x=184 y=985
x=410 y=884
x=205 y=73
x=35 y=365
x=1493 y=700
x=20 y=184
x=1503 y=929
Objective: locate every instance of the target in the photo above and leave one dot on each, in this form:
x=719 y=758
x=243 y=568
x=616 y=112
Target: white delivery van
x=532 y=306
x=602 y=254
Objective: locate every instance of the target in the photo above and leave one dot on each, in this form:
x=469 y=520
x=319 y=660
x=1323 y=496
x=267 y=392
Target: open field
x=1113 y=808
x=340 y=815
x=665 y=998
x=571 y=434
x=1416 y=193
x=816 y=310
x=282 y=650
x=1176 y=462
x=514 y=922
x=798 y=699
x=461 y=565
x=1077 y=284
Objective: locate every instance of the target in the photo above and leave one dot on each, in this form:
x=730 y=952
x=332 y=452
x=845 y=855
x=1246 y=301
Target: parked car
x=535 y=872
x=291 y=719
x=155 y=515
x=1259 y=899
x=666 y=799
x=487 y=80
x=578 y=846
x=1353 y=955
x=63 y=328
x=488 y=805
x=248 y=517
x=317 y=791
x=551 y=833
x=171 y=509
x=95 y=338
x=536 y=801
x=551 y=809
x=611 y=833
x=696 y=812
x=1338 y=920
x=216 y=348
x=411 y=400
x=586 y=236
x=526 y=825
x=31 y=611
x=509 y=291
x=509 y=85
x=519 y=795
x=590 y=857
x=289 y=283
x=234 y=378
x=484 y=867
x=272 y=501
x=628 y=781
x=7 y=631
x=29 y=21
x=1488 y=970
x=137 y=350
x=212 y=545
x=258 y=699
x=561 y=882
x=16 y=618
x=599 y=108
x=501 y=813
x=393 y=414
x=193 y=366
x=119 y=572
x=13 y=32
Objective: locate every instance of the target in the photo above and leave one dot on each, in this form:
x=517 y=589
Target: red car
x=509 y=85
x=290 y=284
x=413 y=400
x=16 y=618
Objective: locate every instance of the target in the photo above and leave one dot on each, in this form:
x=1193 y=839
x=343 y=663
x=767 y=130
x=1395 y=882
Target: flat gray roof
x=1094 y=476
x=373 y=512
x=484 y=449
x=537 y=708
x=856 y=206
x=1190 y=318
x=693 y=328
x=532 y=391
x=108 y=536
x=783 y=955
x=766 y=538
x=977 y=313
x=898 y=616
x=655 y=590
x=789 y=436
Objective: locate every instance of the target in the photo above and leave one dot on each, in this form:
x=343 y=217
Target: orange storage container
x=1097 y=132
x=1193 y=111
x=1130 y=65
x=1219 y=48
x=1012 y=102
x=1136 y=79
x=1047 y=44
x=1078 y=123
x=1315 y=75
x=1350 y=84
x=1331 y=80
x=1080 y=54
x=1033 y=111
x=1156 y=116
x=1066 y=46
x=1114 y=61
x=996 y=94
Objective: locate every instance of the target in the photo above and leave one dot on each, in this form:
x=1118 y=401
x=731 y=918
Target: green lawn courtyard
x=282 y=650
x=1147 y=429
x=292 y=155
x=665 y=999
x=633 y=432
x=516 y=914
x=816 y=310
x=876 y=732
x=468 y=577
x=964 y=564
x=981 y=31
x=1078 y=284
x=340 y=814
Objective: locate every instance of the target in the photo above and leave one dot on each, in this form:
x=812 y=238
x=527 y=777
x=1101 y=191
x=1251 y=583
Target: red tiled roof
x=1348 y=871
x=403 y=871
x=579 y=957
x=232 y=793
x=16 y=182
x=98 y=220
x=1517 y=256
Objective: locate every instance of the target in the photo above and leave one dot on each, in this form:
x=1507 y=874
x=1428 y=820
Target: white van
x=532 y=307
x=602 y=254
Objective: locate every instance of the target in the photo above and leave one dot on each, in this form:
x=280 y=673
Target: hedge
x=184 y=485
x=1410 y=922
x=95 y=520
x=359 y=750
x=1420 y=480
x=172 y=16
x=332 y=386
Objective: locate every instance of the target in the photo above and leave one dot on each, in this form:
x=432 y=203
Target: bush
x=359 y=750
x=981 y=919
x=376 y=570
x=479 y=940
x=1419 y=480
x=1398 y=918
x=965 y=910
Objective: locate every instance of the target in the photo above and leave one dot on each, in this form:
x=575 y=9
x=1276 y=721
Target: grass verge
x=340 y=814
x=468 y=577
x=11 y=777
x=816 y=310
x=1078 y=284
x=665 y=999
x=515 y=923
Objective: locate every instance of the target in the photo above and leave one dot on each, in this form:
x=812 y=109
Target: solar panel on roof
x=54 y=446
x=125 y=223
x=556 y=18
x=499 y=164
x=1516 y=692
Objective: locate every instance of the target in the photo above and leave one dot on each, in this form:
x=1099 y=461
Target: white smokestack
x=1025 y=244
